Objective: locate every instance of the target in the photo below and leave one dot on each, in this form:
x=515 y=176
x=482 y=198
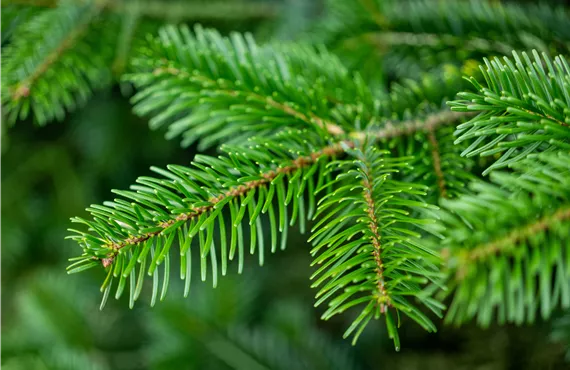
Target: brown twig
x=437 y=163
x=383 y=298
x=403 y=128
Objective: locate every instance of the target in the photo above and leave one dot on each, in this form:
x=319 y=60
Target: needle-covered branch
x=219 y=89
x=58 y=52
x=306 y=139
x=55 y=60
x=507 y=246
x=411 y=37
x=140 y=228
x=523 y=106
x=366 y=243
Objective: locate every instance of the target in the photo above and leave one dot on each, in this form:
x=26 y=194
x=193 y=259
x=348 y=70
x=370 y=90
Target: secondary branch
x=383 y=298
x=437 y=163
x=23 y=88
x=264 y=178
x=330 y=127
x=516 y=236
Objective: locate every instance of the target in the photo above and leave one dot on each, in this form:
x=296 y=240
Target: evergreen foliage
x=524 y=108
x=190 y=201
x=415 y=36
x=205 y=331
x=506 y=246
x=369 y=255
x=81 y=46
x=417 y=205
x=211 y=76
x=73 y=56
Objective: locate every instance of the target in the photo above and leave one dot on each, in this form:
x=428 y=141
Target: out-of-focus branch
x=180 y=9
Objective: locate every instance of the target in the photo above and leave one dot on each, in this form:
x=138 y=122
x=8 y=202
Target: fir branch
x=368 y=206
x=437 y=164
x=275 y=88
x=268 y=176
x=235 y=88
x=523 y=108
x=506 y=248
x=328 y=126
x=190 y=201
x=55 y=48
x=23 y=88
x=264 y=178
x=518 y=236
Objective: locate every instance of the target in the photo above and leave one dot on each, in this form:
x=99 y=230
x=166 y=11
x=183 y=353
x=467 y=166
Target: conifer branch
x=510 y=241
x=264 y=178
x=383 y=298
x=392 y=129
x=54 y=61
x=330 y=127
x=189 y=202
x=368 y=206
x=437 y=163
x=523 y=108
x=24 y=87
x=505 y=236
x=235 y=88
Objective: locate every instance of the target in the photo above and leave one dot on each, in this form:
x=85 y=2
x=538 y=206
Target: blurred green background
x=263 y=319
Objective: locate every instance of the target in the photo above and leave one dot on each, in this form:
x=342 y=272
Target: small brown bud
x=107 y=262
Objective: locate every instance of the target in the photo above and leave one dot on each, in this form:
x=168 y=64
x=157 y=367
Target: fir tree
x=435 y=198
